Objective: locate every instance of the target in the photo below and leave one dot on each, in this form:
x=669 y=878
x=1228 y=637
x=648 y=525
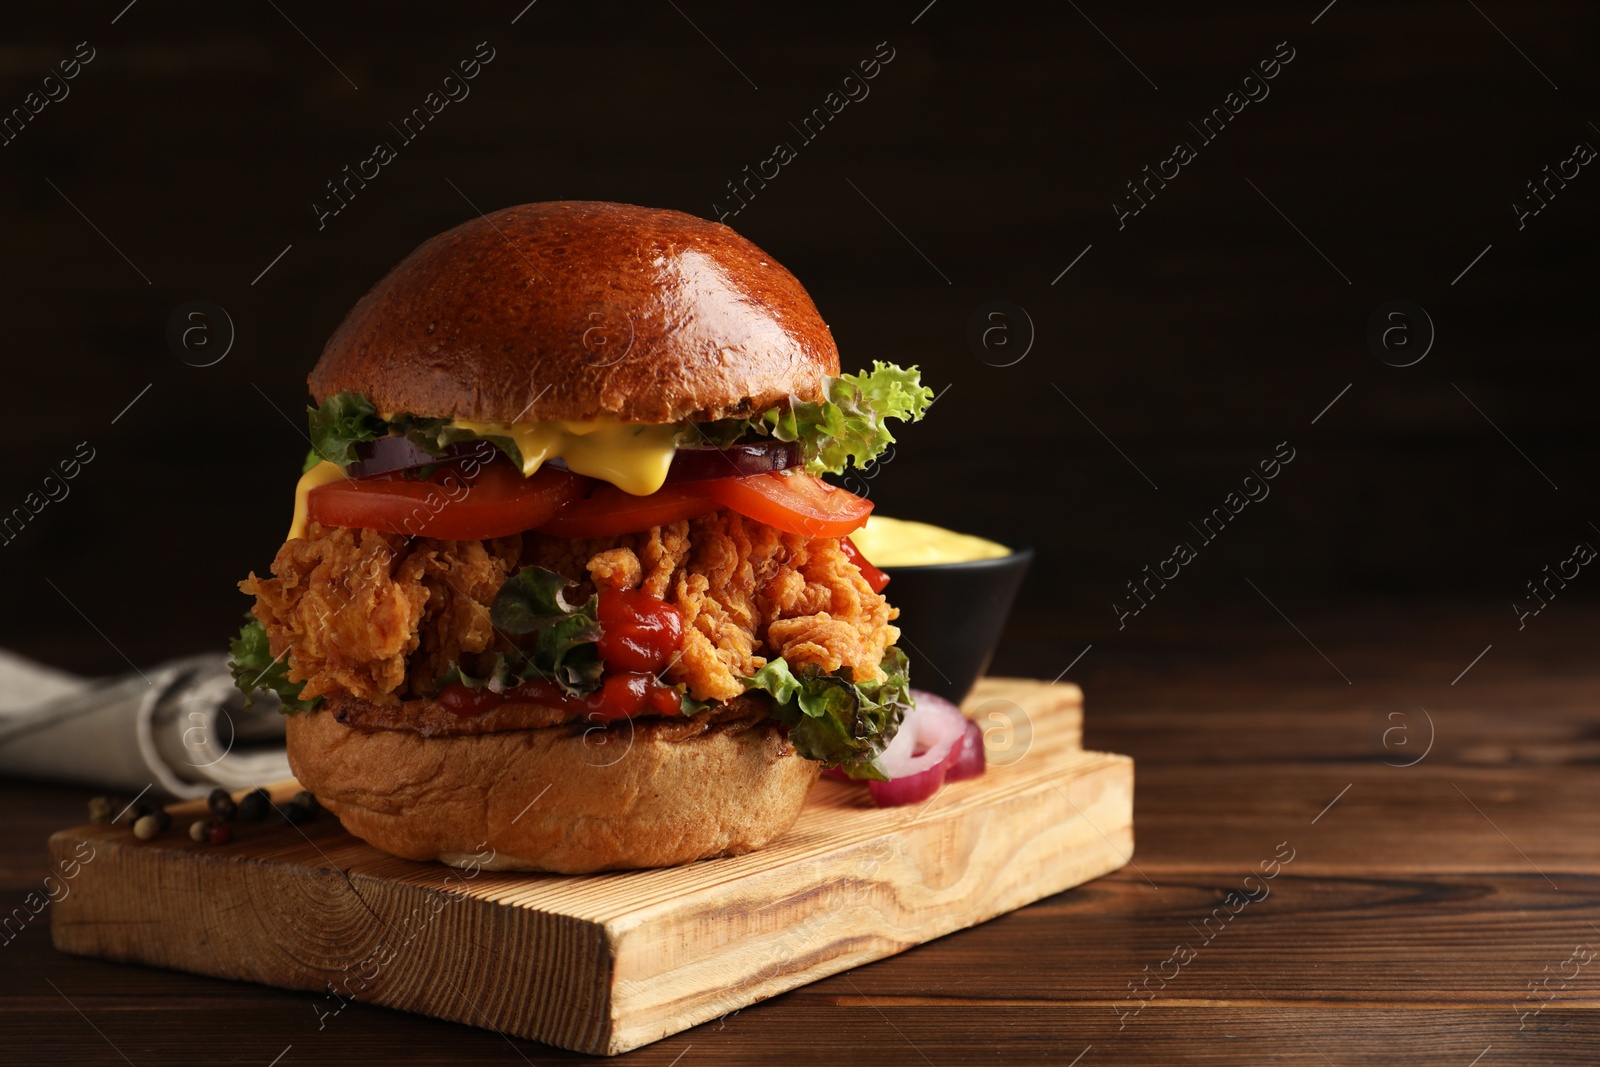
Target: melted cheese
x=887 y=542
x=321 y=474
x=634 y=457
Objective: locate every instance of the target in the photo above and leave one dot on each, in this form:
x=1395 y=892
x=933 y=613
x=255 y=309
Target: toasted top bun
x=580 y=310
x=644 y=793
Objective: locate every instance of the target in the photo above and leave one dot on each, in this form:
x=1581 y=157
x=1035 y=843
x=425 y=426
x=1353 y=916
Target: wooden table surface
x=1442 y=912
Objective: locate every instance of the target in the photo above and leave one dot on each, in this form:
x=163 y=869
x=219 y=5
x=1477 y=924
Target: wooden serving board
x=606 y=963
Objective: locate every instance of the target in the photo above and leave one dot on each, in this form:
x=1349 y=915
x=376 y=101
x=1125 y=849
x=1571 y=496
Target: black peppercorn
x=254 y=804
x=222 y=805
x=305 y=799
x=294 y=813
x=139 y=809
x=163 y=820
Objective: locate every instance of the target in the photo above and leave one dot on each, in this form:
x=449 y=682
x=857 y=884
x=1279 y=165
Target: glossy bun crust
x=556 y=799
x=581 y=310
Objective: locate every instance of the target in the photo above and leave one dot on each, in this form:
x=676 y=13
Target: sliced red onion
x=930 y=728
x=694 y=463
x=910 y=790
x=968 y=760
x=389 y=454
x=697 y=463
x=921 y=752
x=965 y=758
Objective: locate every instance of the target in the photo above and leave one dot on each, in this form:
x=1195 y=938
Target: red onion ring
x=695 y=463
x=918 y=759
x=968 y=760
x=388 y=455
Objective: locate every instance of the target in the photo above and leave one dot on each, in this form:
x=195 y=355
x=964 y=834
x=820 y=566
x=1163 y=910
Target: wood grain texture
x=606 y=963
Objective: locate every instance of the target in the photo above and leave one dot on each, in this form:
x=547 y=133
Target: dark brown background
x=1196 y=338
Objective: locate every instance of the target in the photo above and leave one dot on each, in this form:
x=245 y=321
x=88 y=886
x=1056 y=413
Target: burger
x=566 y=585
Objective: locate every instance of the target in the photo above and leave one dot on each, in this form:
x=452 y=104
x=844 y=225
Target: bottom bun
x=559 y=799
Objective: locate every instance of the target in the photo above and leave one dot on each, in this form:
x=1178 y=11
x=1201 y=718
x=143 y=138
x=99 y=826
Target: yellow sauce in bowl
x=887 y=542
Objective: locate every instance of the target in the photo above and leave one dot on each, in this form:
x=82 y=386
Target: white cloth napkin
x=179 y=729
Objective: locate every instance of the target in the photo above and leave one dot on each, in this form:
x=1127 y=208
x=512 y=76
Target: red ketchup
x=874 y=578
x=639 y=631
x=466 y=701
x=640 y=635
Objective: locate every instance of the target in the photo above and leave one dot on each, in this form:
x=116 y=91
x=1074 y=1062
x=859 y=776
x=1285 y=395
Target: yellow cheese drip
x=887 y=542
x=321 y=474
x=632 y=456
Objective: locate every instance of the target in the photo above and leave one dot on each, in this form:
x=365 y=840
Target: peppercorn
x=254 y=804
x=222 y=805
x=200 y=830
x=100 y=810
x=305 y=799
x=163 y=820
x=146 y=827
x=221 y=833
x=139 y=809
x=295 y=813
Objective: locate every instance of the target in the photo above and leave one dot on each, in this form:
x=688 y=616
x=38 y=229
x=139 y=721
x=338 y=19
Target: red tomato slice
x=609 y=512
x=874 y=578
x=457 y=502
x=793 y=501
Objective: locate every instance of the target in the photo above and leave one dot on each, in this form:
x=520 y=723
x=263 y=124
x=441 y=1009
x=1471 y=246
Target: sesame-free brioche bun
x=657 y=793
x=582 y=310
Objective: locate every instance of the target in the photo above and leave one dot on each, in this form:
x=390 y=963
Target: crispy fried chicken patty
x=373 y=620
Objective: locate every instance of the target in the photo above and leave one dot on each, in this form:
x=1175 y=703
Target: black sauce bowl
x=951 y=617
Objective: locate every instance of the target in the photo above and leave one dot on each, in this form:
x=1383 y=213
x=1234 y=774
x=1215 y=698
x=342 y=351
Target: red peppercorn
x=221 y=833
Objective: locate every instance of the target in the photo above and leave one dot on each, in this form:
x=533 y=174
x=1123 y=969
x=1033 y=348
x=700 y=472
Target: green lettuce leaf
x=564 y=648
x=254 y=669
x=341 y=422
x=832 y=718
x=498 y=678
x=849 y=428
